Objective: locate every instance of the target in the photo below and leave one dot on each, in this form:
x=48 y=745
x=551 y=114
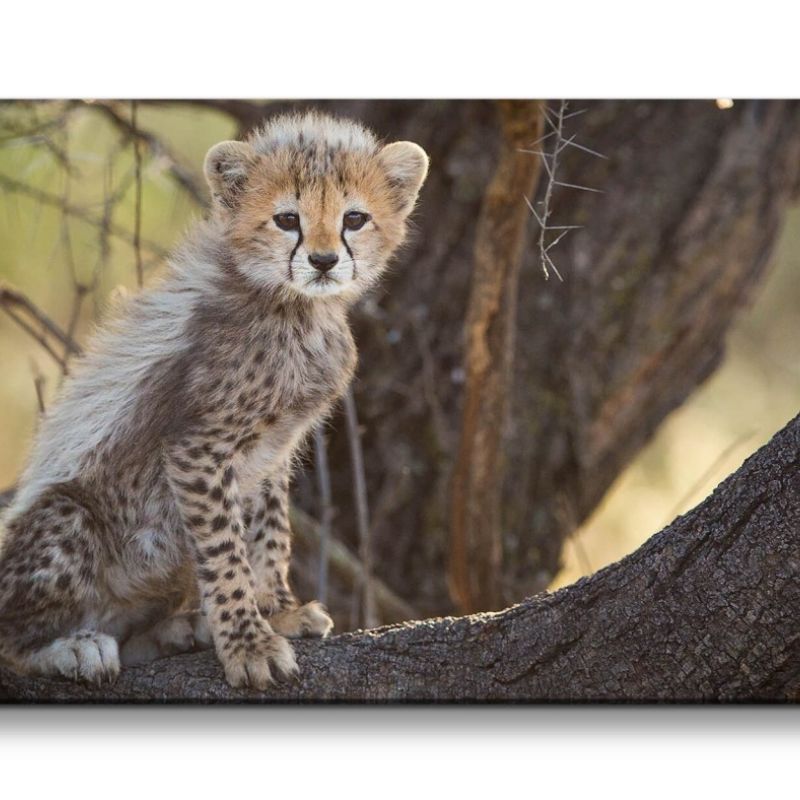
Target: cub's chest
x=296 y=372
x=301 y=389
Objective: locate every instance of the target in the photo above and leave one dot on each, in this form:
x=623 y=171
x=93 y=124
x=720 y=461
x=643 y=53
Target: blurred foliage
x=39 y=245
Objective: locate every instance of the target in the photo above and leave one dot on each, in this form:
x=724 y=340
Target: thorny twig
x=550 y=161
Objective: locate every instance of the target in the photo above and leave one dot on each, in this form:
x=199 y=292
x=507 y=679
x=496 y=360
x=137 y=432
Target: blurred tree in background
x=693 y=198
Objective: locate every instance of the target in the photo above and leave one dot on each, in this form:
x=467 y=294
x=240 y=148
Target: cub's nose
x=323 y=261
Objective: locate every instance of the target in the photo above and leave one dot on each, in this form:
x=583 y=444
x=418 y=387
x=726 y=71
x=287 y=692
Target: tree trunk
x=476 y=537
x=692 y=206
x=706 y=610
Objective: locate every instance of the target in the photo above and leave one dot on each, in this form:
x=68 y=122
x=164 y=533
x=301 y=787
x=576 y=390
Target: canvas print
x=372 y=401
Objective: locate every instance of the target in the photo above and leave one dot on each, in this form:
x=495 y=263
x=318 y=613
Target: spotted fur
x=153 y=514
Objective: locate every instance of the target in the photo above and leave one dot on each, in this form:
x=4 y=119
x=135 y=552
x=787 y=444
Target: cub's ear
x=226 y=167
x=406 y=164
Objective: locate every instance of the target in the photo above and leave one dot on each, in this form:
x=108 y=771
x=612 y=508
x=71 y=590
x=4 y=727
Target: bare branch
x=326 y=510
x=36 y=335
x=707 y=474
x=39 y=382
x=137 y=224
x=48 y=199
x=37 y=324
x=444 y=434
x=66 y=241
x=345 y=566
x=183 y=176
x=245 y=112
x=74 y=315
x=360 y=489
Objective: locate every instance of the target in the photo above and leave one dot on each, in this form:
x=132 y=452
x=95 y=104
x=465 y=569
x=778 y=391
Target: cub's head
x=314 y=205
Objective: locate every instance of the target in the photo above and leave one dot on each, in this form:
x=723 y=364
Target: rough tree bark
x=706 y=610
x=476 y=536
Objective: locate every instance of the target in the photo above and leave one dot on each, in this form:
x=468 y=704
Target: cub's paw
x=176 y=634
x=255 y=657
x=86 y=656
x=310 y=620
x=167 y=638
x=201 y=630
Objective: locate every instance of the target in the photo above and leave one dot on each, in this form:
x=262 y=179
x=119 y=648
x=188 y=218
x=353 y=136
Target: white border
x=388 y=753
x=404 y=48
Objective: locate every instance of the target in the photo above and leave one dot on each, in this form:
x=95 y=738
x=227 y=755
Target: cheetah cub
x=158 y=482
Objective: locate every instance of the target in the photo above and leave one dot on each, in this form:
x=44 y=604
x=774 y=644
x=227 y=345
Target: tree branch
x=184 y=177
x=706 y=610
x=350 y=570
x=11 y=298
x=28 y=316
x=476 y=539
x=11 y=185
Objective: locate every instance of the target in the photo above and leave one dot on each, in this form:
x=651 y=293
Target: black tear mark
x=350 y=253
x=294 y=253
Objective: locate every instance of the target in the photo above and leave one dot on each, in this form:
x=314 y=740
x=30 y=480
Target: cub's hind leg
x=48 y=590
x=181 y=633
x=269 y=548
x=309 y=620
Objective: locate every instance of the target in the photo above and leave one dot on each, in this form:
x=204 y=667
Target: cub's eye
x=287 y=222
x=353 y=220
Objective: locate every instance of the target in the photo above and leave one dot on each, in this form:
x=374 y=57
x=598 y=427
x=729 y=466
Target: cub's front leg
x=203 y=480
x=269 y=547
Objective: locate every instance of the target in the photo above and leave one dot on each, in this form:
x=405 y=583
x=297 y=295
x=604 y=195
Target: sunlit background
x=753 y=394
